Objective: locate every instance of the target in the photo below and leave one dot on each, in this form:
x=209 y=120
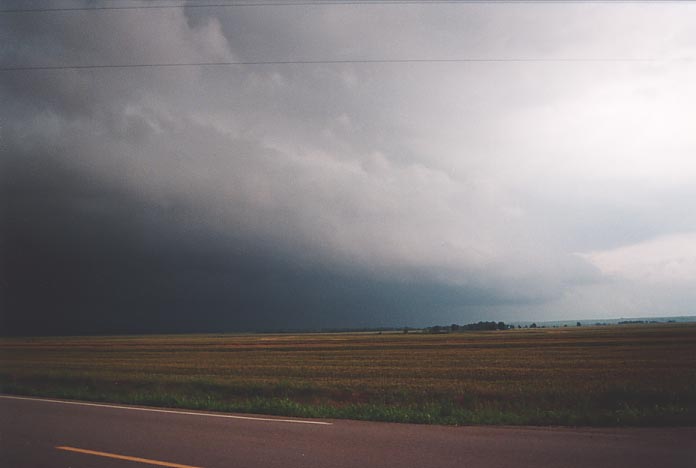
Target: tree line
x=478 y=326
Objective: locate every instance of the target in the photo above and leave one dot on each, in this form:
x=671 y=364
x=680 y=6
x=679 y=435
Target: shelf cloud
x=331 y=195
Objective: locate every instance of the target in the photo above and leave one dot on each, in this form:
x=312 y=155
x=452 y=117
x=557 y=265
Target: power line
x=329 y=2
x=332 y=62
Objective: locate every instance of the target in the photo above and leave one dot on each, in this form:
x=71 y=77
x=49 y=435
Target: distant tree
x=533 y=325
x=578 y=324
x=478 y=326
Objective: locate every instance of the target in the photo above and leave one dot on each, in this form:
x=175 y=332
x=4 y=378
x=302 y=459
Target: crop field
x=617 y=375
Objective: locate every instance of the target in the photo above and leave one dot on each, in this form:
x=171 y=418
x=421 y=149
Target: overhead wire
x=325 y=62
x=330 y=62
x=326 y=3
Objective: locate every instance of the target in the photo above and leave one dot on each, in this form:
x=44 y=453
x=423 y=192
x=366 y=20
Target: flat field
x=617 y=375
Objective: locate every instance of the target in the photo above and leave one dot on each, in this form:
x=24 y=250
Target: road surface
x=50 y=433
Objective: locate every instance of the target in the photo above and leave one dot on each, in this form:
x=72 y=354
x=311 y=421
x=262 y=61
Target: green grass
x=603 y=376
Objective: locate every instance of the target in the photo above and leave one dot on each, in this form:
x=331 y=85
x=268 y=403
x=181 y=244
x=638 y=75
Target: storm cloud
x=268 y=197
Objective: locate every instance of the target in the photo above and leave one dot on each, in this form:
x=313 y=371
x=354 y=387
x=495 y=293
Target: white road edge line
x=154 y=410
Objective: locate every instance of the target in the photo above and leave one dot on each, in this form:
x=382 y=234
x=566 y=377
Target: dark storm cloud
x=83 y=255
x=206 y=199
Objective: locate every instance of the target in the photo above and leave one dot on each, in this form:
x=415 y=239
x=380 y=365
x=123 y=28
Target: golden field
x=613 y=375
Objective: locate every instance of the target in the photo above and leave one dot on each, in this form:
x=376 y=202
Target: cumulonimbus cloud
x=477 y=178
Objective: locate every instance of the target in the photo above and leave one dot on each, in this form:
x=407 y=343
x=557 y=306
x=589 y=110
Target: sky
x=553 y=177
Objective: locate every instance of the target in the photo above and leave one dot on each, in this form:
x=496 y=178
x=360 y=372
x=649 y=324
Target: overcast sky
x=323 y=195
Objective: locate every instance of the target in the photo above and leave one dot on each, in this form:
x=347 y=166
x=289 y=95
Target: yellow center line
x=125 y=457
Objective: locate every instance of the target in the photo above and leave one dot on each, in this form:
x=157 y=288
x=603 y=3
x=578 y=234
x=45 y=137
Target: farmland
x=602 y=376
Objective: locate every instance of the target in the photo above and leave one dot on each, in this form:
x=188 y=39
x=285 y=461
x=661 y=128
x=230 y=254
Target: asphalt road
x=48 y=433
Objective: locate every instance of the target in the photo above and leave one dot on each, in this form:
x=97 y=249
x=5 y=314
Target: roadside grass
x=613 y=376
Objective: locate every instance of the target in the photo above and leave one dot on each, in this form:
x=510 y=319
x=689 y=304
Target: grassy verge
x=628 y=412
